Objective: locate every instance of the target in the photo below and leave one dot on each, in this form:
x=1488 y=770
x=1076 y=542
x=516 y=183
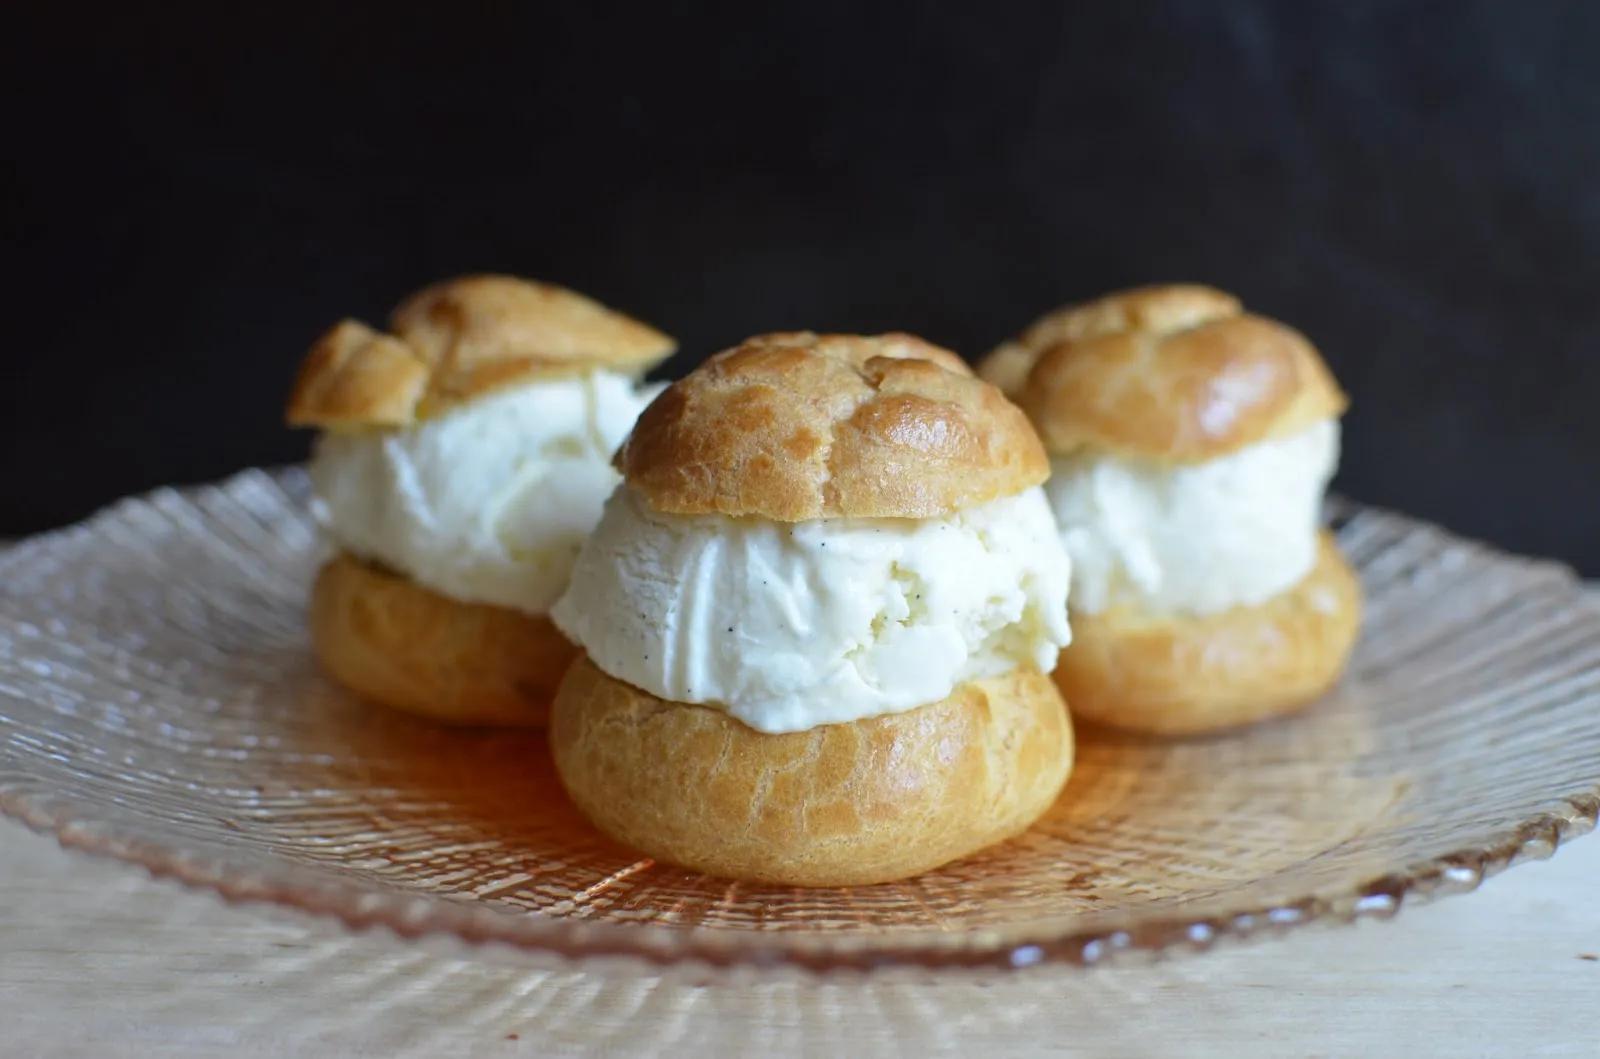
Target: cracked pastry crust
x=458 y=340
x=1176 y=374
x=796 y=426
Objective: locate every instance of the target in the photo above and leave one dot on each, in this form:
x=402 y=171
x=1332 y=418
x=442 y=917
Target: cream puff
x=1190 y=444
x=464 y=456
x=816 y=618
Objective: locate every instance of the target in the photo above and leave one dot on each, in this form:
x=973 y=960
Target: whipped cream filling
x=487 y=502
x=792 y=625
x=1193 y=539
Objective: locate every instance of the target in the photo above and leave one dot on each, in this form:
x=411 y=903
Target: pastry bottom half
x=394 y=642
x=1177 y=675
x=848 y=804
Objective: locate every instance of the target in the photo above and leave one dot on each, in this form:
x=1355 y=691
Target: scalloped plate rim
x=73 y=824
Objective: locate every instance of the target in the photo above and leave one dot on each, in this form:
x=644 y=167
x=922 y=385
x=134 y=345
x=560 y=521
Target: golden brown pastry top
x=796 y=426
x=1176 y=373
x=458 y=340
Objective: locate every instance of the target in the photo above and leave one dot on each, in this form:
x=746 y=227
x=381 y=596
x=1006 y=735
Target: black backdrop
x=191 y=200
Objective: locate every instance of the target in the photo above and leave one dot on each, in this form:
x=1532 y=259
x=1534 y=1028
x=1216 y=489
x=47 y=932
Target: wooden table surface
x=98 y=959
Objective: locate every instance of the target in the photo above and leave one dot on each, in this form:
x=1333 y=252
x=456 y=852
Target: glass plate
x=158 y=703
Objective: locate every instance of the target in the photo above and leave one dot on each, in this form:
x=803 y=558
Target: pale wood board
x=98 y=959
x=95 y=958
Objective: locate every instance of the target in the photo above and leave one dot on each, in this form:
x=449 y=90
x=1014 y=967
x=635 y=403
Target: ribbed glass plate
x=158 y=703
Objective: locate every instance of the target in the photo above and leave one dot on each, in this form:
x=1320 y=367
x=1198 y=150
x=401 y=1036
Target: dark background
x=190 y=201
